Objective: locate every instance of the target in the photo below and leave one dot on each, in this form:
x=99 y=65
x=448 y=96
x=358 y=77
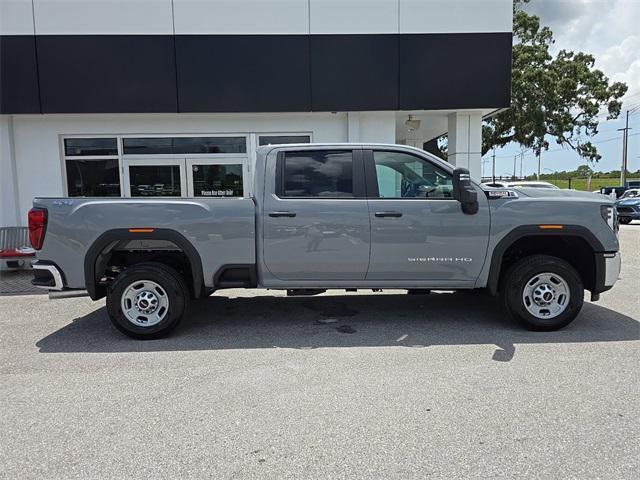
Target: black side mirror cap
x=464 y=192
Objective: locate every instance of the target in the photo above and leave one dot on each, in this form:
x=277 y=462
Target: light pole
x=625 y=145
x=493 y=171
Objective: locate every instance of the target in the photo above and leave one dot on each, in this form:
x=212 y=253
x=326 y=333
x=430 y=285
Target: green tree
x=584 y=171
x=559 y=97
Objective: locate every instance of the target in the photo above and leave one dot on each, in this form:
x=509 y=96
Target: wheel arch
x=521 y=234
x=111 y=237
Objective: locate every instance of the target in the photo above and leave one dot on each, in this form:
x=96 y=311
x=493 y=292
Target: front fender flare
x=522 y=231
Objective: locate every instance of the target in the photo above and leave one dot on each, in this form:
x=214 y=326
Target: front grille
x=625 y=210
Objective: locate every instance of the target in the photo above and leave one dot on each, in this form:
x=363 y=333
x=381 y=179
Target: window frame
x=359 y=190
x=372 y=176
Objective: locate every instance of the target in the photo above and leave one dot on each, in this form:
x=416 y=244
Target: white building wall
x=9 y=208
x=353 y=16
x=235 y=17
x=108 y=17
x=103 y=17
x=16 y=17
x=455 y=16
x=38 y=152
x=465 y=142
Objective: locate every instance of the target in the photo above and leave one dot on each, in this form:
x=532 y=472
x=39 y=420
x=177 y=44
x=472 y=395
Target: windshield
x=631 y=194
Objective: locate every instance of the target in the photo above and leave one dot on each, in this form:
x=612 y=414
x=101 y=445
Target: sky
x=610 y=31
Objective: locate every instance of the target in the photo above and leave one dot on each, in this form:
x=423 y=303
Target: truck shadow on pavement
x=219 y=323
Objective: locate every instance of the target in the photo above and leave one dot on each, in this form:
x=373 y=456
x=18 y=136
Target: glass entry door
x=220 y=177
x=155 y=177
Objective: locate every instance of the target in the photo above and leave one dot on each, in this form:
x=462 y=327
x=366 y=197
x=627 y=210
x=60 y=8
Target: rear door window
x=318 y=174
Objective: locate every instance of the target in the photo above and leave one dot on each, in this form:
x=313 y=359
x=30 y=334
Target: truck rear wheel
x=543 y=293
x=147 y=301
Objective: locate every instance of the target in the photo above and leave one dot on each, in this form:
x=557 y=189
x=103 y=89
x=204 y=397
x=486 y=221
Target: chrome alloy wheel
x=546 y=295
x=144 y=303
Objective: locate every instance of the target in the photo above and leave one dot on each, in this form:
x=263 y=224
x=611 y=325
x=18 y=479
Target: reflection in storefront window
x=217 y=180
x=93 y=178
x=155 y=181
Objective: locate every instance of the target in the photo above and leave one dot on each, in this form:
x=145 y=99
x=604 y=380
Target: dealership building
x=172 y=97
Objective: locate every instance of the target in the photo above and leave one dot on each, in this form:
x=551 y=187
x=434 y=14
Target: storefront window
x=217 y=180
x=93 y=178
x=283 y=139
x=75 y=147
x=183 y=145
x=155 y=181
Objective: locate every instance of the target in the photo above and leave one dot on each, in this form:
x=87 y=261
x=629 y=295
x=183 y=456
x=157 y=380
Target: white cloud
x=608 y=29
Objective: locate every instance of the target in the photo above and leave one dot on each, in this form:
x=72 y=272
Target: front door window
x=401 y=175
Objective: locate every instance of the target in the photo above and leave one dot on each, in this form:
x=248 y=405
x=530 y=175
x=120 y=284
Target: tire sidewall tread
x=525 y=268
x=169 y=279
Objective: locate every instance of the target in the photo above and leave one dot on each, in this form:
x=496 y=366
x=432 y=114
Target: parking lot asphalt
x=258 y=385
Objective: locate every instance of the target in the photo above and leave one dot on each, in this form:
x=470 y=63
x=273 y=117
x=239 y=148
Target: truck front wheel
x=542 y=292
x=147 y=300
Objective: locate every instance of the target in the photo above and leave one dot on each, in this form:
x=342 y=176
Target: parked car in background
x=614 y=192
x=532 y=185
x=523 y=183
x=628 y=206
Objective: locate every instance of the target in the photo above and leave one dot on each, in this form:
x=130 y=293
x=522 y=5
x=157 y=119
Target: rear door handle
x=388 y=214
x=282 y=214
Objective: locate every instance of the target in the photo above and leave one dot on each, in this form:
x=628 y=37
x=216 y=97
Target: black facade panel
x=455 y=70
x=253 y=73
x=18 y=75
x=107 y=73
x=354 y=72
x=243 y=73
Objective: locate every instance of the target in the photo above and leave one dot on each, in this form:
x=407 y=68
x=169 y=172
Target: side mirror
x=464 y=192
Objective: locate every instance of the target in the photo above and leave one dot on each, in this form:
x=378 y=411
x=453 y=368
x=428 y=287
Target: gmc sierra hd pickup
x=331 y=216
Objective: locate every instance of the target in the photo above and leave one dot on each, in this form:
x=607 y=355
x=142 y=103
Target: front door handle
x=388 y=214
x=282 y=214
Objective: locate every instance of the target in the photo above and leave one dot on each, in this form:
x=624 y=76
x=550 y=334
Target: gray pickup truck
x=331 y=216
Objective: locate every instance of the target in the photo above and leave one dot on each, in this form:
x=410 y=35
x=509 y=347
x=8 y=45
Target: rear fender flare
x=118 y=234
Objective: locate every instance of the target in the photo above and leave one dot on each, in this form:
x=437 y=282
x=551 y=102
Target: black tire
x=520 y=273
x=625 y=220
x=171 y=283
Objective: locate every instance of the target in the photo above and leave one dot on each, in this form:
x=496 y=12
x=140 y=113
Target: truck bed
x=221 y=230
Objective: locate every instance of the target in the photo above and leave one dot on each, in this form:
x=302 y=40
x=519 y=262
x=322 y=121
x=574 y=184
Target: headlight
x=610 y=216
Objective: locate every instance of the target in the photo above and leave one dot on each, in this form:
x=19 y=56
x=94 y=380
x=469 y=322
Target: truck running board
x=301 y=292
x=58 y=294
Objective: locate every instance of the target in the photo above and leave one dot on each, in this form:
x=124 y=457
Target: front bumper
x=612 y=264
x=607 y=271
